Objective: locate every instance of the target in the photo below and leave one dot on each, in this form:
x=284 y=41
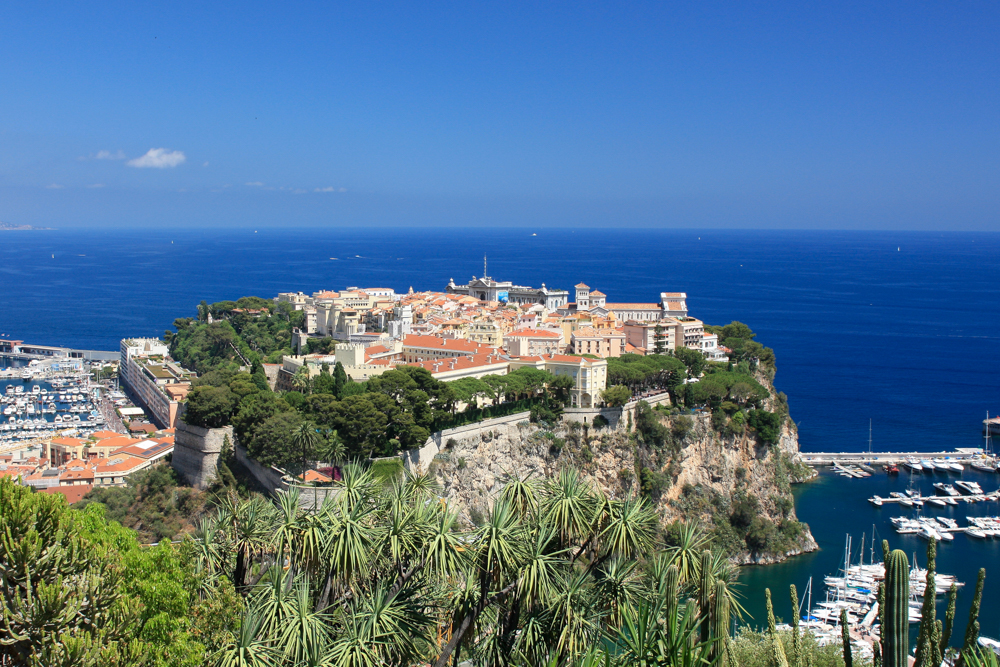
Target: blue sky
x=699 y=114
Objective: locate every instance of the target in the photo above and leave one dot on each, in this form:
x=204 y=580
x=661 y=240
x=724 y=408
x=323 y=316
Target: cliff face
x=704 y=476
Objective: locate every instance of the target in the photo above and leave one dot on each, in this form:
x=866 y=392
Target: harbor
x=52 y=398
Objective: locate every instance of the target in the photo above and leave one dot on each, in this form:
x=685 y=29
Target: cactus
x=705 y=590
x=949 y=618
x=777 y=652
x=796 y=647
x=895 y=629
x=885 y=551
x=671 y=582
x=720 y=624
x=925 y=652
x=972 y=629
x=845 y=636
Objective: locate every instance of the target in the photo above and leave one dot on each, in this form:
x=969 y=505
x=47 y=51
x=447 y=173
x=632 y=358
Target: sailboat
x=866 y=465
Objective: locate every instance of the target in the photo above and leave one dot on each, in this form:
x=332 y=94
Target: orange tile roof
x=459 y=363
x=74 y=493
x=117 y=442
x=315 y=476
x=583 y=285
x=67 y=442
x=597 y=293
x=120 y=463
x=100 y=435
x=447 y=344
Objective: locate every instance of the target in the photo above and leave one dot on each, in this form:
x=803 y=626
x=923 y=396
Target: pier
x=834 y=458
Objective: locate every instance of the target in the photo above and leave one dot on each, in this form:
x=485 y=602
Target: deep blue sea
x=897 y=327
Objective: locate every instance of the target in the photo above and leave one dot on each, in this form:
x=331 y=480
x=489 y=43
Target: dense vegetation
x=383 y=574
x=78 y=590
x=153 y=503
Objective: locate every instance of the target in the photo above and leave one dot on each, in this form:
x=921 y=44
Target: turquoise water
x=835 y=506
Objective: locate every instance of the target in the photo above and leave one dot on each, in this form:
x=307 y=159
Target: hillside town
x=484 y=327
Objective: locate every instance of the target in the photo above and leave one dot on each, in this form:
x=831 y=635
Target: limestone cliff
x=737 y=488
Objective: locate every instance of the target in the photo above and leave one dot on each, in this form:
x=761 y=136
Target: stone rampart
x=196 y=452
x=420 y=459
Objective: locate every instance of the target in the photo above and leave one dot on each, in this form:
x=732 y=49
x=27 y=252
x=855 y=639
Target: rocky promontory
x=720 y=476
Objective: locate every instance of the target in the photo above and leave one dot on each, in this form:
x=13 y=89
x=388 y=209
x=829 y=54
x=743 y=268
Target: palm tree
x=691 y=542
x=306 y=441
x=302 y=380
x=250 y=525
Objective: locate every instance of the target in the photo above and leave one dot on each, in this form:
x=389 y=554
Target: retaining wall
x=196 y=452
x=420 y=459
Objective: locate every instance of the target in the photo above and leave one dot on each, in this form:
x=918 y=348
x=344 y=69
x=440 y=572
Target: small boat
x=914 y=465
x=876 y=501
x=946 y=489
x=939 y=502
x=983 y=467
x=928 y=465
x=975 y=532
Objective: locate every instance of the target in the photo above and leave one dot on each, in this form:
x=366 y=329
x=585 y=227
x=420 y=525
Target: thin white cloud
x=108 y=155
x=55 y=186
x=158 y=158
x=255 y=184
x=330 y=188
x=96 y=185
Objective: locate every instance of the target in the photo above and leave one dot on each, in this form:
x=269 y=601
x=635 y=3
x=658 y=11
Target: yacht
x=913 y=465
x=946 y=489
x=876 y=501
x=928 y=465
x=969 y=488
x=938 y=502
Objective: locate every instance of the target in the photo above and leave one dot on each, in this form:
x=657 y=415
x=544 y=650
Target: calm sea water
x=896 y=327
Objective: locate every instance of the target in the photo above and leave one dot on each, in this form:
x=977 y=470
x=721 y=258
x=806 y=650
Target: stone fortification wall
x=196 y=452
x=420 y=459
x=275 y=481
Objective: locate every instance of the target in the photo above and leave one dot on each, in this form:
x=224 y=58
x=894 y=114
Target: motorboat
x=946 y=522
x=938 y=502
x=976 y=533
x=969 y=488
x=876 y=501
x=913 y=465
x=983 y=466
x=928 y=465
x=946 y=489
x=928 y=532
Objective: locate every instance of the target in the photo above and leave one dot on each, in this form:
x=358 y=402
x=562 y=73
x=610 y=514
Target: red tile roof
x=73 y=493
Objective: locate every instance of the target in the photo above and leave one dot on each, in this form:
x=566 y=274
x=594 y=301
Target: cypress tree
x=339 y=379
x=876 y=654
x=925 y=652
x=777 y=652
x=796 y=647
x=720 y=624
x=972 y=629
x=845 y=637
x=949 y=618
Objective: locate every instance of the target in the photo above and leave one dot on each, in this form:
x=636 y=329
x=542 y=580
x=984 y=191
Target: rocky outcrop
x=697 y=477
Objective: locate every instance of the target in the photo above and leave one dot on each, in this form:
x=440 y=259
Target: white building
x=156 y=380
